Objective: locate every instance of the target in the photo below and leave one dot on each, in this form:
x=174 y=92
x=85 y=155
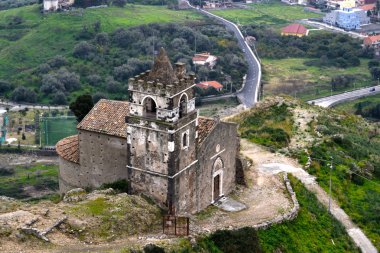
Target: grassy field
x=54 y=129
x=41 y=37
x=29 y=181
x=350 y=105
x=273 y=13
x=290 y=76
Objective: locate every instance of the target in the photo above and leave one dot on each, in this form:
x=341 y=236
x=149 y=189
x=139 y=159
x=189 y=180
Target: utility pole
x=331 y=168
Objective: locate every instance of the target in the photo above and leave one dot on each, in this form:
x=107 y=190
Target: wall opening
x=150 y=107
x=183 y=105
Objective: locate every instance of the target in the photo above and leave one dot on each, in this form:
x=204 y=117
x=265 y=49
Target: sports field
x=54 y=129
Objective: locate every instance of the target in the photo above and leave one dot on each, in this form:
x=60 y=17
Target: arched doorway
x=150 y=107
x=183 y=105
x=217 y=179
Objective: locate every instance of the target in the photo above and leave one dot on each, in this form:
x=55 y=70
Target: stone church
x=156 y=141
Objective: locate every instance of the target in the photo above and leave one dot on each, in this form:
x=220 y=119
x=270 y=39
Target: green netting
x=53 y=129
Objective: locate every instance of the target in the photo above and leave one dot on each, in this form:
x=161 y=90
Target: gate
x=175 y=225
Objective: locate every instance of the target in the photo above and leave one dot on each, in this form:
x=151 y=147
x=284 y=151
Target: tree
x=57 y=61
x=102 y=39
x=81 y=106
x=4 y=86
x=119 y=3
x=22 y=94
x=97 y=26
x=23 y=137
x=59 y=98
x=83 y=50
x=97 y=96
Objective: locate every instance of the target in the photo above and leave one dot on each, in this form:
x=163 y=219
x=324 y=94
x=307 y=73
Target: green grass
x=40 y=176
x=56 y=128
x=313 y=230
x=45 y=36
x=290 y=76
x=349 y=106
x=273 y=13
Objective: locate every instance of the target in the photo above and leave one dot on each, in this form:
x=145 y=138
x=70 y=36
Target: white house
x=205 y=59
x=50 y=5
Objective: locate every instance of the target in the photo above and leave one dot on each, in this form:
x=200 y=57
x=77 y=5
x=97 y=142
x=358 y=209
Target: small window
x=185 y=139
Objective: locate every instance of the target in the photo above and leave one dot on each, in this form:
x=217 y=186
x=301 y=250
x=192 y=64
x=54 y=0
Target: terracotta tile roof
x=367 y=7
x=295 y=29
x=205 y=126
x=205 y=85
x=107 y=117
x=68 y=148
x=369 y=40
x=202 y=56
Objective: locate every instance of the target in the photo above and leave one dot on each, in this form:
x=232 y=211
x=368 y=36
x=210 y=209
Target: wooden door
x=216 y=187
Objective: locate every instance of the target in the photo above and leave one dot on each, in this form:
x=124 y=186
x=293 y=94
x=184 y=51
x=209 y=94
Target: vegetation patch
x=272 y=127
x=27 y=182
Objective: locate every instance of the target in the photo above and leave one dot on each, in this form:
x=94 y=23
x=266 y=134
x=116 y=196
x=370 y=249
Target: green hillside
x=38 y=37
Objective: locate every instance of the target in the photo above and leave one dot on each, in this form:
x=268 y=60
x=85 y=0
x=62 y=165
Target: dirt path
x=270 y=163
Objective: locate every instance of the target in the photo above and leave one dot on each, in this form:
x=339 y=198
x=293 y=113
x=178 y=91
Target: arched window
x=185 y=139
x=150 y=107
x=183 y=105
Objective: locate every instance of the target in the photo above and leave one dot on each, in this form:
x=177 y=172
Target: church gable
x=107 y=117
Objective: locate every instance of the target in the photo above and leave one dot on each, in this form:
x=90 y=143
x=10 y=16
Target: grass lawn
x=39 y=176
x=41 y=37
x=290 y=76
x=350 y=105
x=56 y=128
x=273 y=13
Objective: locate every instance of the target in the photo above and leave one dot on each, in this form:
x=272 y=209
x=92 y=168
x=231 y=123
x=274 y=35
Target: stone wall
x=196 y=187
x=103 y=159
x=69 y=175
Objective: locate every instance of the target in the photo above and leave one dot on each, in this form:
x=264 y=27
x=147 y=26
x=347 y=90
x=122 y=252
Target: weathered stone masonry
x=156 y=141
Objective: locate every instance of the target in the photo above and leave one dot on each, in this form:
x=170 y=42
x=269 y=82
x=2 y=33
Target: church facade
x=156 y=141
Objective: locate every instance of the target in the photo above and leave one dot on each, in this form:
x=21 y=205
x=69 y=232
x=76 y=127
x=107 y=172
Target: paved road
x=273 y=163
x=19 y=106
x=248 y=95
x=346 y=96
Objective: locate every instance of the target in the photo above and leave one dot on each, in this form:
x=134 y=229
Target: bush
x=57 y=61
x=6 y=171
x=83 y=50
x=22 y=94
x=151 y=248
x=4 y=86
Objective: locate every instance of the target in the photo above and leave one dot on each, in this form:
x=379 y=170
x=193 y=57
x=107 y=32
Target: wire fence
x=53 y=129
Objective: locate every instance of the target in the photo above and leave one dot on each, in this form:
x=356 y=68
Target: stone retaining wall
x=283 y=217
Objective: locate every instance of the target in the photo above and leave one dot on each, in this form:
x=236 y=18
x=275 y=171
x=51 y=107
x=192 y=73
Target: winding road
x=248 y=94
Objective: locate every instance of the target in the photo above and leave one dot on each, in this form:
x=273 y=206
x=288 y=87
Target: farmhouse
x=207 y=84
x=205 y=59
x=156 y=141
x=53 y=5
x=294 y=30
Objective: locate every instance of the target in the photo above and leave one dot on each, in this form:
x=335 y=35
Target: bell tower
x=162 y=132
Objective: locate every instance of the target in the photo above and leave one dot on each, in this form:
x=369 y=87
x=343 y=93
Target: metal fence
x=175 y=225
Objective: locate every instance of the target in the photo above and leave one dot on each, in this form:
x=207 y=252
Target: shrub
x=83 y=50
x=6 y=171
x=4 y=86
x=57 y=61
x=151 y=248
x=22 y=94
x=120 y=185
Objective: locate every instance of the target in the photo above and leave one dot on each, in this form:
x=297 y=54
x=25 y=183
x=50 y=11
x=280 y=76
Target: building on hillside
x=294 y=2
x=207 y=84
x=374 y=42
x=156 y=141
x=368 y=7
x=54 y=5
x=212 y=4
x=205 y=59
x=183 y=5
x=294 y=30
x=365 y=2
x=340 y=4
x=349 y=19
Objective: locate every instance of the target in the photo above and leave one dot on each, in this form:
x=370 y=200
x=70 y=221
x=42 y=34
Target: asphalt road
x=248 y=95
x=346 y=96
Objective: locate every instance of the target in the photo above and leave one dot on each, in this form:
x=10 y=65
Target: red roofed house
x=205 y=59
x=368 y=7
x=207 y=84
x=294 y=30
x=373 y=41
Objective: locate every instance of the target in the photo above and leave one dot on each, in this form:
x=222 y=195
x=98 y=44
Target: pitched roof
x=162 y=69
x=205 y=126
x=203 y=56
x=369 y=40
x=68 y=148
x=205 y=85
x=107 y=117
x=367 y=7
x=295 y=29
